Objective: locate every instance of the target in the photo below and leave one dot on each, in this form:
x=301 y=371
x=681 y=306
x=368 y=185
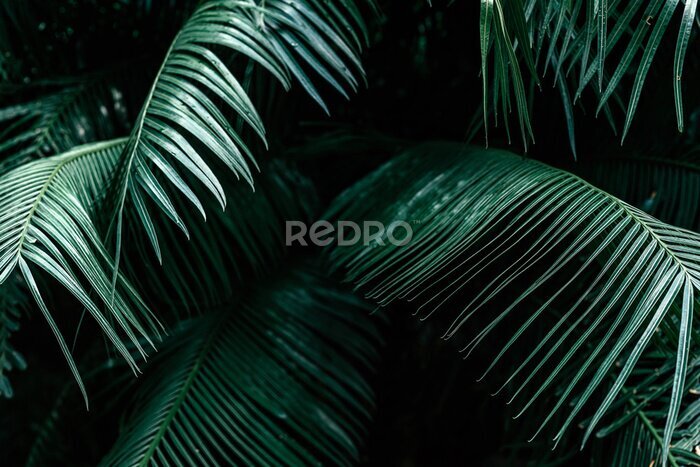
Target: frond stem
x=214 y=331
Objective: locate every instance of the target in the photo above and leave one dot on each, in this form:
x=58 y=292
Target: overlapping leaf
x=637 y=435
x=490 y=227
x=51 y=209
x=279 y=378
x=46 y=224
x=183 y=121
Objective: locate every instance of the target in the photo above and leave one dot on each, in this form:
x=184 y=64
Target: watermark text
x=347 y=233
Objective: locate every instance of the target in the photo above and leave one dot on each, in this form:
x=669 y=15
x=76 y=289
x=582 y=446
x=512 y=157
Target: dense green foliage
x=151 y=152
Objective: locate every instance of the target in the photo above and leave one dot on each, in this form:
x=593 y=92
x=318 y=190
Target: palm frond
x=49 y=222
x=490 y=226
x=502 y=27
x=638 y=435
x=580 y=35
x=279 y=379
x=50 y=205
x=183 y=117
x=45 y=209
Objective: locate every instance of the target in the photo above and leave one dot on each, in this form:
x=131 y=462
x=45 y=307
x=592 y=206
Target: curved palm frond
x=280 y=379
x=49 y=222
x=580 y=35
x=183 y=117
x=49 y=205
x=489 y=225
x=45 y=214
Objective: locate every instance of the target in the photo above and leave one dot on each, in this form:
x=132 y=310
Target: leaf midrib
x=147 y=103
x=172 y=412
x=622 y=205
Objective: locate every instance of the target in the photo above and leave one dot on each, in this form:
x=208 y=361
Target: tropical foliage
x=145 y=189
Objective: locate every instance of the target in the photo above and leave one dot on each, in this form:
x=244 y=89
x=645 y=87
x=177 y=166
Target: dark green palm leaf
x=636 y=447
x=46 y=223
x=183 y=117
x=492 y=226
x=639 y=434
x=49 y=206
x=279 y=378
